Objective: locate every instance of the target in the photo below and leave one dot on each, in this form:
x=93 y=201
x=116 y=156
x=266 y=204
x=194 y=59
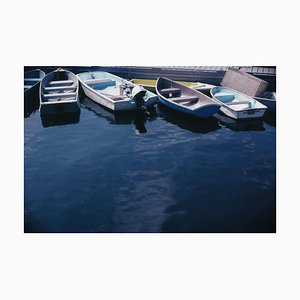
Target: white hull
x=97 y=97
x=245 y=114
x=126 y=104
x=60 y=107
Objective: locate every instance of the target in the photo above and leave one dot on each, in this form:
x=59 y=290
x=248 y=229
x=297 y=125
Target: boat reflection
x=137 y=118
x=240 y=125
x=187 y=122
x=31 y=104
x=60 y=119
x=270 y=118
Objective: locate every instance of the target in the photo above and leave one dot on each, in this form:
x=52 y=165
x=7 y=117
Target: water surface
x=102 y=172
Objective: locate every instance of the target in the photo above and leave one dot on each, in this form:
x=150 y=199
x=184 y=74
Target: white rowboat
x=59 y=93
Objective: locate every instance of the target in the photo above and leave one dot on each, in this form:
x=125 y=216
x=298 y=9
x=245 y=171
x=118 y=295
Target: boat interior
x=177 y=93
x=235 y=100
x=60 y=86
x=115 y=89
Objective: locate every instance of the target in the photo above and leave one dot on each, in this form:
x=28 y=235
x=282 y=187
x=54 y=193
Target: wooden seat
x=98 y=80
x=32 y=79
x=61 y=82
x=169 y=91
x=238 y=102
x=224 y=96
x=184 y=99
x=60 y=95
x=60 y=88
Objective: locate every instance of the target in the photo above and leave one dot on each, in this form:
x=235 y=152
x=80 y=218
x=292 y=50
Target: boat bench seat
x=224 y=96
x=59 y=95
x=169 y=91
x=238 y=102
x=99 y=80
x=60 y=88
x=32 y=79
x=61 y=82
x=184 y=99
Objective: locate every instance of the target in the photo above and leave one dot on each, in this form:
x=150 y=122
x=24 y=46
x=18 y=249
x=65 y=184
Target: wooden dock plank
x=260 y=70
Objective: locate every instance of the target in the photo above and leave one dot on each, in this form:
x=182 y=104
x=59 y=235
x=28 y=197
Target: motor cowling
x=138 y=94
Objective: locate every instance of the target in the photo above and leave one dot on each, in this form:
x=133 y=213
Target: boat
x=149 y=84
x=32 y=80
x=184 y=99
x=269 y=100
x=237 y=105
x=59 y=92
x=114 y=92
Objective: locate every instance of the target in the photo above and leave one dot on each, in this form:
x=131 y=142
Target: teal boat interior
x=106 y=83
x=233 y=98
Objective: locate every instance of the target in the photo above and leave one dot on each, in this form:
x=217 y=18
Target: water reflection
x=241 y=125
x=132 y=117
x=270 y=118
x=31 y=104
x=60 y=119
x=184 y=121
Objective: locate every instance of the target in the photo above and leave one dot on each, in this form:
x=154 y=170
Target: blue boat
x=114 y=92
x=237 y=105
x=32 y=80
x=184 y=99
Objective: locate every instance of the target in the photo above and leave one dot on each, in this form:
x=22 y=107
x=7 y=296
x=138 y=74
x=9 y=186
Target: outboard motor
x=138 y=94
x=126 y=88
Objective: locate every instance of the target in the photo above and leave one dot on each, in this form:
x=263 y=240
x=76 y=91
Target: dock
x=206 y=74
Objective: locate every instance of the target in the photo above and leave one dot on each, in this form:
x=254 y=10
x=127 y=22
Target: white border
x=149 y=266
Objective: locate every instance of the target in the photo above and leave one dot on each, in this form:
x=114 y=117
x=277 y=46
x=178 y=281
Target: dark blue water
x=101 y=172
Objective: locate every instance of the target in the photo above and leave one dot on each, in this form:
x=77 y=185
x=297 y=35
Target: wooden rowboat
x=237 y=105
x=184 y=99
x=115 y=92
x=150 y=84
x=59 y=93
x=32 y=80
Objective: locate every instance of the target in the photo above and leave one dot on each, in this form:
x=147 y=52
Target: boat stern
x=207 y=111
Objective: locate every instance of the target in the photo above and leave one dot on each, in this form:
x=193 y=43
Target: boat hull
x=270 y=103
x=32 y=81
x=204 y=112
x=245 y=114
x=57 y=108
x=103 y=99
